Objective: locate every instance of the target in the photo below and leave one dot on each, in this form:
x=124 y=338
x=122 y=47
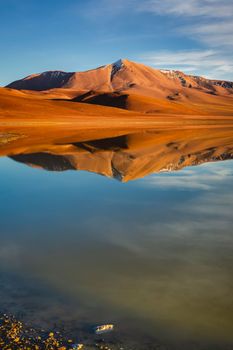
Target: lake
x=147 y=247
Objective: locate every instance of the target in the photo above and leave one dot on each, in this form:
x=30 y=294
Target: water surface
x=154 y=256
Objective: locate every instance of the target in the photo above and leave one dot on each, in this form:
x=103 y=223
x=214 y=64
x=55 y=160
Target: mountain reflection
x=131 y=156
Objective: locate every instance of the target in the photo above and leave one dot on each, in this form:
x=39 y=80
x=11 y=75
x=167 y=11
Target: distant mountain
x=119 y=76
x=42 y=81
x=134 y=86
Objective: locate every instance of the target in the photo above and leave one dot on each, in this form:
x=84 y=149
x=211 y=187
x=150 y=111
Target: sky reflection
x=157 y=251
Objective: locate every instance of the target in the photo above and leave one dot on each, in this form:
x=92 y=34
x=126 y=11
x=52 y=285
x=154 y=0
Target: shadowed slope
x=193 y=104
x=20 y=105
x=44 y=81
x=111 y=99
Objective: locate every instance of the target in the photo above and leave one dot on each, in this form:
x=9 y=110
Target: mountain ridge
x=134 y=87
x=59 y=78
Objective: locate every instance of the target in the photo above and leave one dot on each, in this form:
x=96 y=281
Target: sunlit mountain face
x=134 y=87
x=124 y=157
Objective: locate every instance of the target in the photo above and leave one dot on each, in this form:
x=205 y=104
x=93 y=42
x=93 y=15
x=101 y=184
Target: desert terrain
x=125 y=85
x=121 y=120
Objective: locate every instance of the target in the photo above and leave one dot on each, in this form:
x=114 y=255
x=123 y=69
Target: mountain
x=136 y=87
x=42 y=81
x=119 y=76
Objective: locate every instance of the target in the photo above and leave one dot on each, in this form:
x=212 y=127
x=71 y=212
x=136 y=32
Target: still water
x=153 y=256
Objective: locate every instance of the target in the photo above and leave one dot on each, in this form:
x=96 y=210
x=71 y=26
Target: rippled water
x=153 y=256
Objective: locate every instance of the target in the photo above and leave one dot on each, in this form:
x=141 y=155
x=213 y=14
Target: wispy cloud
x=204 y=177
x=206 y=21
x=197 y=8
x=210 y=62
x=213 y=33
x=210 y=20
x=191 y=8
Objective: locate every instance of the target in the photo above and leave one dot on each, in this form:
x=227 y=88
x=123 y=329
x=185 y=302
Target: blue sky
x=195 y=36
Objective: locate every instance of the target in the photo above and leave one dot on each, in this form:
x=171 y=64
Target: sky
x=195 y=36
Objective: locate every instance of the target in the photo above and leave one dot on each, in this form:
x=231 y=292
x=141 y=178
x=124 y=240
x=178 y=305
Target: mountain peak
x=42 y=81
x=116 y=66
x=120 y=61
x=124 y=75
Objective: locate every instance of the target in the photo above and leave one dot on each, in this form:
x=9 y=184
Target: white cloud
x=203 y=62
x=191 y=8
x=208 y=22
x=205 y=8
x=213 y=33
x=205 y=177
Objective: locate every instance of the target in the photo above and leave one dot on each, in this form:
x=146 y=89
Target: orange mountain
x=136 y=87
